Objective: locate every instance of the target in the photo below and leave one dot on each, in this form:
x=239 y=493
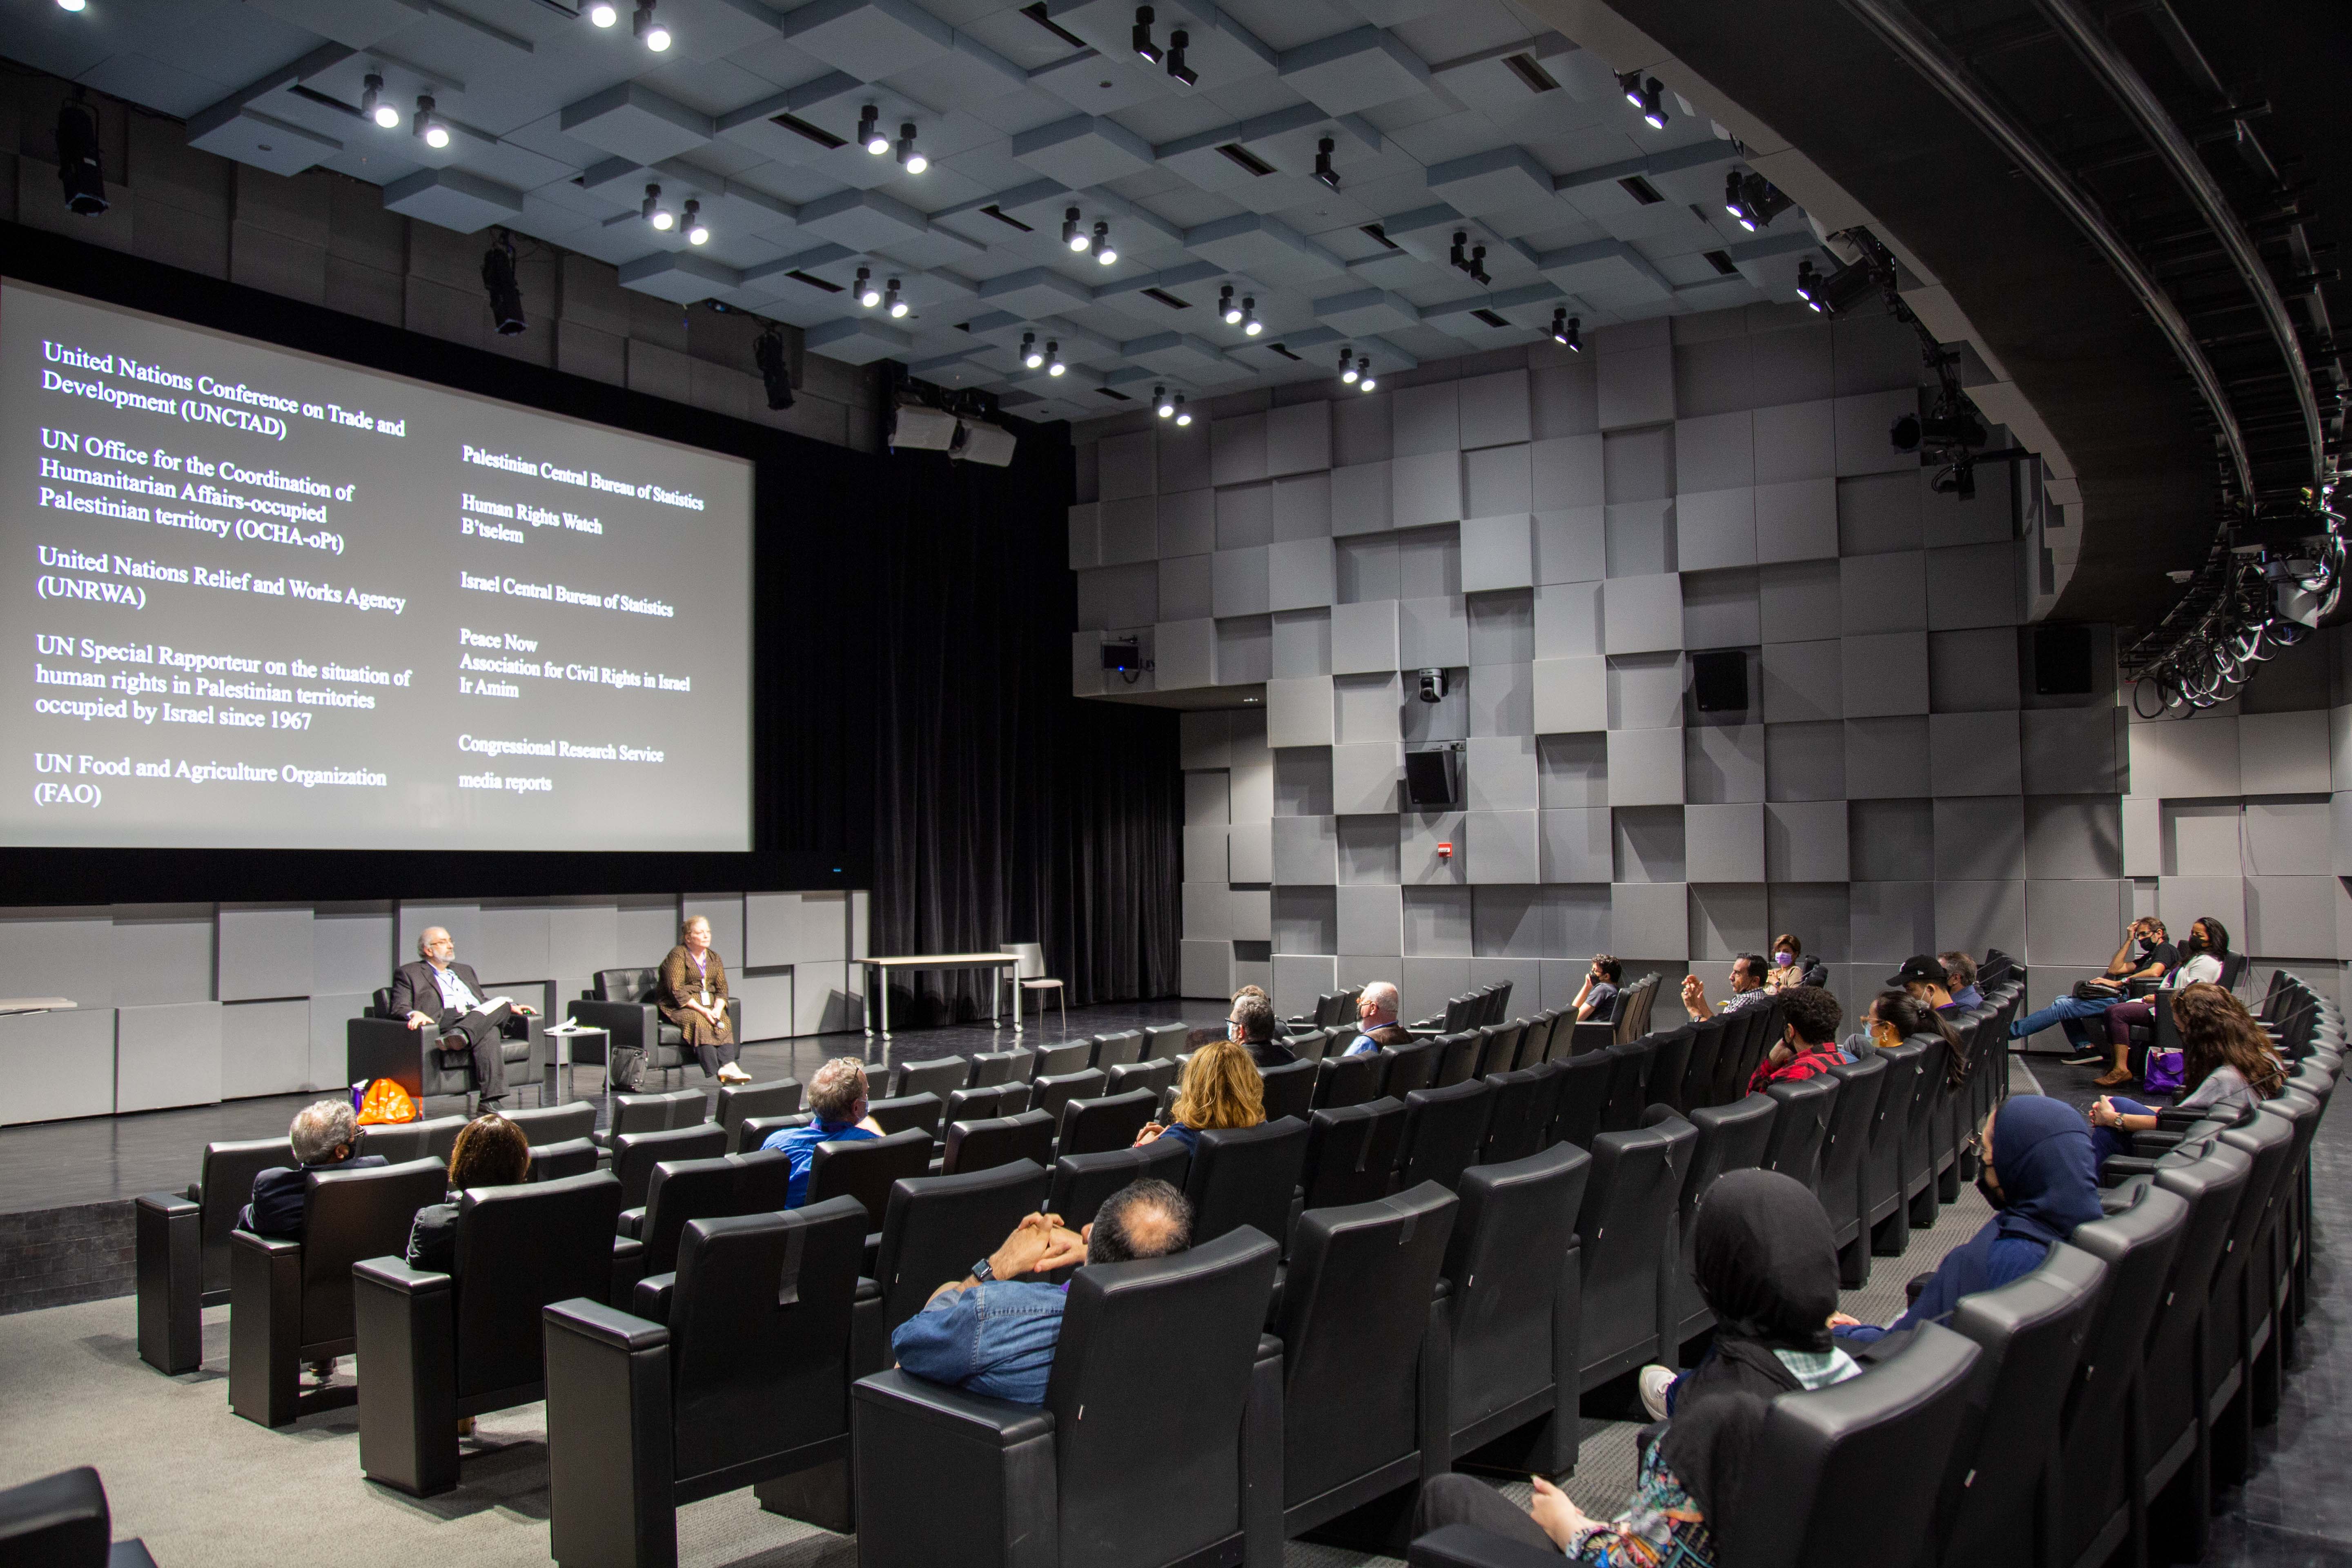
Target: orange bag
x=386 y=1101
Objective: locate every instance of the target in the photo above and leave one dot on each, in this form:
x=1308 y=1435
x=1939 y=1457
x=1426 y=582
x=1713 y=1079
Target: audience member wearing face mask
x=1790 y=967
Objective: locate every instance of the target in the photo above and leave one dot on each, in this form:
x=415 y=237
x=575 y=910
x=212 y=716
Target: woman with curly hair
x=1221 y=1088
x=2227 y=1064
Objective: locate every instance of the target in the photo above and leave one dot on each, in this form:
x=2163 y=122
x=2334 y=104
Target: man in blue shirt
x=837 y=1103
x=1377 y=1007
x=993 y=1332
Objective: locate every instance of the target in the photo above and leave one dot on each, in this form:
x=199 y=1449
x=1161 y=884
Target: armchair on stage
x=426 y=1062
x=624 y=1007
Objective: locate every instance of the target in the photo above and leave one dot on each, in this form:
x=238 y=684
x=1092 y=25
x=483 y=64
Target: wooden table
x=878 y=980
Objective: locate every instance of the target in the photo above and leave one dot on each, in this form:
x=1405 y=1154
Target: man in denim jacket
x=993 y=1332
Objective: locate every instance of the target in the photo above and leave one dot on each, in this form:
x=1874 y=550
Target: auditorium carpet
x=204 y=1487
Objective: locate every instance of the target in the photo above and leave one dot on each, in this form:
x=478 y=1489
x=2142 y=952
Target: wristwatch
x=982 y=1272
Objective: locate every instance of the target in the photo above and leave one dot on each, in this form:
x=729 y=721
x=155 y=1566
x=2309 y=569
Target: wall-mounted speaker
x=1432 y=780
x=1719 y=680
x=2062 y=662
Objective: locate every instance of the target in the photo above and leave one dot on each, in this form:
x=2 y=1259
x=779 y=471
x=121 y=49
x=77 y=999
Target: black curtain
x=920 y=611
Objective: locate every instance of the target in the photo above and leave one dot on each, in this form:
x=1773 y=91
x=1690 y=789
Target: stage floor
x=102 y=1159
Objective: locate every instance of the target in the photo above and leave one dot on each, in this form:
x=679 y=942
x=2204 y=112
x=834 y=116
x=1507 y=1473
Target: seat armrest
x=2121 y=1167
x=628 y=1266
x=169 y=1203
x=605 y=1325
x=2148 y=1145
x=2172 y=1117
x=1467 y=1546
x=971 y=1417
x=270 y=1246
x=632 y=1223
x=651 y=1298
x=393 y=1274
x=631 y=1024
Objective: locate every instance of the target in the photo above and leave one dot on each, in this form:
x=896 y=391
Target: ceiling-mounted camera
x=1432 y=686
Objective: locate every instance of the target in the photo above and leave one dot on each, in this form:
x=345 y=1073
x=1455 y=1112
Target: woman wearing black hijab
x=1766 y=1267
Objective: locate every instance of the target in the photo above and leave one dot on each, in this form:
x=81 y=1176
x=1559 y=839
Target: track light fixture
x=1457 y=257
x=1183 y=415
x=1250 y=323
x=1808 y=284
x=1564 y=329
x=1323 y=169
x=603 y=13
x=1364 y=379
x=1348 y=371
x=1227 y=308
x=696 y=231
x=891 y=302
x=1182 y=74
x=1649 y=96
x=1104 y=252
x=1478 y=266
x=373 y=105
x=80 y=173
x=1752 y=200
x=653 y=213
x=1842 y=290
x=1160 y=402
x=914 y=161
x=1142 y=36
x=1029 y=354
x=1074 y=236
x=867 y=295
x=1054 y=365
x=428 y=127
x=71 y=5
x=869 y=130
x=653 y=35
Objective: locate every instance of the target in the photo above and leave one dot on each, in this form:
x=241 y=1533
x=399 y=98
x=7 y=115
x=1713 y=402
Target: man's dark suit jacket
x=277 y=1206
x=413 y=989
x=1272 y=1053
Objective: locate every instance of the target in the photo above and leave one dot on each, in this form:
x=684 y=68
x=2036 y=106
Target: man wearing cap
x=1925 y=979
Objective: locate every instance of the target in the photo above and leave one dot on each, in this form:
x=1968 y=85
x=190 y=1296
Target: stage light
x=80 y=172
x=1161 y=402
x=1649 y=96
x=1348 y=371
x=869 y=130
x=71 y=5
x=653 y=213
x=603 y=13
x=1250 y=323
x=373 y=105
x=1564 y=329
x=1478 y=266
x=696 y=231
x=1808 y=284
x=499 y=281
x=1630 y=84
x=1183 y=415
x=1323 y=169
x=1364 y=379
x=914 y=161
x=891 y=300
x=1752 y=200
x=1734 y=201
x=1029 y=354
x=1457 y=258
x=1851 y=285
x=867 y=295
x=1103 y=252
x=1074 y=236
x=1182 y=74
x=768 y=353
x=655 y=36
x=1227 y=308
x=1054 y=365
x=1142 y=36
x=427 y=127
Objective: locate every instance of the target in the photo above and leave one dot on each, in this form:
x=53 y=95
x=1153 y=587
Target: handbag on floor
x=2164 y=1073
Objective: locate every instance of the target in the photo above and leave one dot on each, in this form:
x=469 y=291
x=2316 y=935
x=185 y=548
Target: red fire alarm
x=1444 y=851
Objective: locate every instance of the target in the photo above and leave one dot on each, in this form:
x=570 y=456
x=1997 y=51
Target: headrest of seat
x=625 y=984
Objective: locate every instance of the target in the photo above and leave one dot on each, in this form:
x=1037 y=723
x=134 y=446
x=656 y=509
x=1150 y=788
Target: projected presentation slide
x=263 y=599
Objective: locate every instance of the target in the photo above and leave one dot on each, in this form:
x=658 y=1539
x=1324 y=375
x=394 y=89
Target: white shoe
x=1654 y=1382
x=730 y=1073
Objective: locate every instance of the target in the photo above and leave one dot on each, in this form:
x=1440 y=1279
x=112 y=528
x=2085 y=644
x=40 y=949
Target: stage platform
x=66 y=1187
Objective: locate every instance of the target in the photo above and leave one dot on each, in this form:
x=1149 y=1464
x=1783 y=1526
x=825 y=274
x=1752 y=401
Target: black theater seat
x=864 y=1168
x=941 y=1076
x=1443 y=1130
x=1843 y=1173
x=1349 y=1080
x=1244 y=1176
x=1351 y=1152
x=1627 y=1230
x=1095 y=1126
x=935 y=1228
x=183 y=1249
x=1290 y=1089
x=63 y=1522
x=554 y=1162
x=1083 y=1181
x=1730 y=1138
x=987 y=1142
x=1512 y=1314
x=739 y=1102
x=681 y=1190
x=1802 y=1126
x=634 y=1155
x=1526 y=1101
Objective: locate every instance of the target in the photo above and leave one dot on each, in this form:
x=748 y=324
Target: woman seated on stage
x=693 y=995
x=1221 y=1088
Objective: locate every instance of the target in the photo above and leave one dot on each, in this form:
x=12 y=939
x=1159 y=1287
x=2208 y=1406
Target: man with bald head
x=1377 y=1007
x=438 y=992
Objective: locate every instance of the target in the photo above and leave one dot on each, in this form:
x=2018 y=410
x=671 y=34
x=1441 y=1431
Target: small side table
x=563 y=1039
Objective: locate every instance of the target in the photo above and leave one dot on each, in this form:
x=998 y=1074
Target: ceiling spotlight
x=867 y=295
x=1029 y=354
x=1654 y=104
x=1564 y=329
x=1142 y=38
x=1104 y=251
x=1160 y=401
x=1630 y=84
x=1348 y=371
x=1364 y=380
x=696 y=231
x=1183 y=415
x=653 y=213
x=603 y=13
x=1250 y=323
x=1073 y=235
x=1457 y=257
x=428 y=127
x=71 y=5
x=372 y=104
x=891 y=302
x=915 y=162
x=1227 y=308
x=1054 y=365
x=1323 y=169
x=655 y=36
x=1734 y=201
x=869 y=130
x=1808 y=284
x=1184 y=75
x=1752 y=200
x=1851 y=285
x=1478 y=265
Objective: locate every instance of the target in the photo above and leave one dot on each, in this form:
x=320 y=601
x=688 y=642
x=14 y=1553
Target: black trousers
x=1462 y=1500
x=713 y=1057
x=485 y=1032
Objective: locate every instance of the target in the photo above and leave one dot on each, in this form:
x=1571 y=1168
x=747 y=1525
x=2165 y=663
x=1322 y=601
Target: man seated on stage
x=439 y=993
